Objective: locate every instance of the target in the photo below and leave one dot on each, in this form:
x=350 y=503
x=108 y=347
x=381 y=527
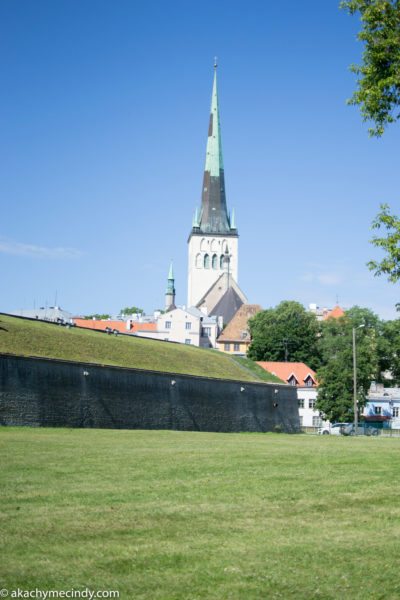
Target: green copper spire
x=214 y=160
x=170 y=291
x=214 y=215
x=171 y=281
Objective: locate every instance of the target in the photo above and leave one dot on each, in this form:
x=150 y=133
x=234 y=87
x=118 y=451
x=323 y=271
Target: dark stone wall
x=51 y=393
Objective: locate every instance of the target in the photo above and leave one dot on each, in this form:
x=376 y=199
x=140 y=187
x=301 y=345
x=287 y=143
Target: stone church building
x=214 y=295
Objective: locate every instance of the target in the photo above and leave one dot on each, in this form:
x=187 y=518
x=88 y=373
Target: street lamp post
x=355 y=402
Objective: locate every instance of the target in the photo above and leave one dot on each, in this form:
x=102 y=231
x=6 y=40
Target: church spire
x=214 y=216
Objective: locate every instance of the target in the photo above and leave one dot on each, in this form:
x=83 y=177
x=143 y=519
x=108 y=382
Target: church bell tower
x=213 y=240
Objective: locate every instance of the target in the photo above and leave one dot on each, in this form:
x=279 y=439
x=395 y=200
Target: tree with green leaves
x=131 y=310
x=285 y=333
x=389 y=350
x=378 y=93
x=390 y=244
x=335 y=376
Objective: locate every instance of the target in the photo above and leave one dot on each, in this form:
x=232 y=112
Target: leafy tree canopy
x=389 y=350
x=378 y=93
x=131 y=310
x=335 y=376
x=285 y=333
x=390 y=244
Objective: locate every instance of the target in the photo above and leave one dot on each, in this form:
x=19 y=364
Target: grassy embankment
x=182 y=515
x=32 y=338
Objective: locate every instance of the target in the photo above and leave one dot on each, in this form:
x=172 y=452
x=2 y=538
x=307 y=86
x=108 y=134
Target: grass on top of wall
x=254 y=368
x=33 y=338
x=167 y=515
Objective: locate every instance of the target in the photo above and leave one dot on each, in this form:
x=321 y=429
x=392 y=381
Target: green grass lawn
x=179 y=515
x=32 y=338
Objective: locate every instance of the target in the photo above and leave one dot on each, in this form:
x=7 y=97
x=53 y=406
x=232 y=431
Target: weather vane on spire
x=215 y=62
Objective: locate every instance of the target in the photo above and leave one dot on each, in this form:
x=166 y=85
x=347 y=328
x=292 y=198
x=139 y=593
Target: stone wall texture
x=52 y=393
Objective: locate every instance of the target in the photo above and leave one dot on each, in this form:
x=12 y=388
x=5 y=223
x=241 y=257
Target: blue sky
x=103 y=116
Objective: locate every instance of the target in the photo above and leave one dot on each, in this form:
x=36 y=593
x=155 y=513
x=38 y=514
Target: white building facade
x=185 y=326
x=309 y=416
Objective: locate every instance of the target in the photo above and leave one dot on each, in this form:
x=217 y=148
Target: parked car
x=362 y=429
x=335 y=429
x=347 y=429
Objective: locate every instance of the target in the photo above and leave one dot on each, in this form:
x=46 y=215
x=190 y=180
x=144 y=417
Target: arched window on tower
x=221 y=261
x=206 y=261
x=199 y=261
x=215 y=261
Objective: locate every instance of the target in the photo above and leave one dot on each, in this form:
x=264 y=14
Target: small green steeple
x=232 y=219
x=170 y=291
x=195 y=222
x=171 y=273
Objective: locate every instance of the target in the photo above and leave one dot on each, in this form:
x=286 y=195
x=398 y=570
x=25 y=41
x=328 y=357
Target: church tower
x=213 y=240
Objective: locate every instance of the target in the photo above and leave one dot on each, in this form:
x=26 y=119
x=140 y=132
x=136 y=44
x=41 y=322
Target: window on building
x=317 y=422
x=236 y=347
x=309 y=382
x=301 y=402
x=206 y=261
x=188 y=325
x=292 y=380
x=311 y=403
x=227 y=347
x=187 y=341
x=167 y=324
x=395 y=411
x=377 y=410
x=215 y=261
x=206 y=331
x=199 y=261
x=221 y=261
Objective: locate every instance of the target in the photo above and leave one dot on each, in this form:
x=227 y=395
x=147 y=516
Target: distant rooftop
x=50 y=313
x=326 y=313
x=295 y=373
x=237 y=329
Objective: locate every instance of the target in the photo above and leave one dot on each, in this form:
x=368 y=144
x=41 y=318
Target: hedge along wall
x=53 y=393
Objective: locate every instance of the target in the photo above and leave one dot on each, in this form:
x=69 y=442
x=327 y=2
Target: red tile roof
x=285 y=370
x=237 y=329
x=335 y=313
